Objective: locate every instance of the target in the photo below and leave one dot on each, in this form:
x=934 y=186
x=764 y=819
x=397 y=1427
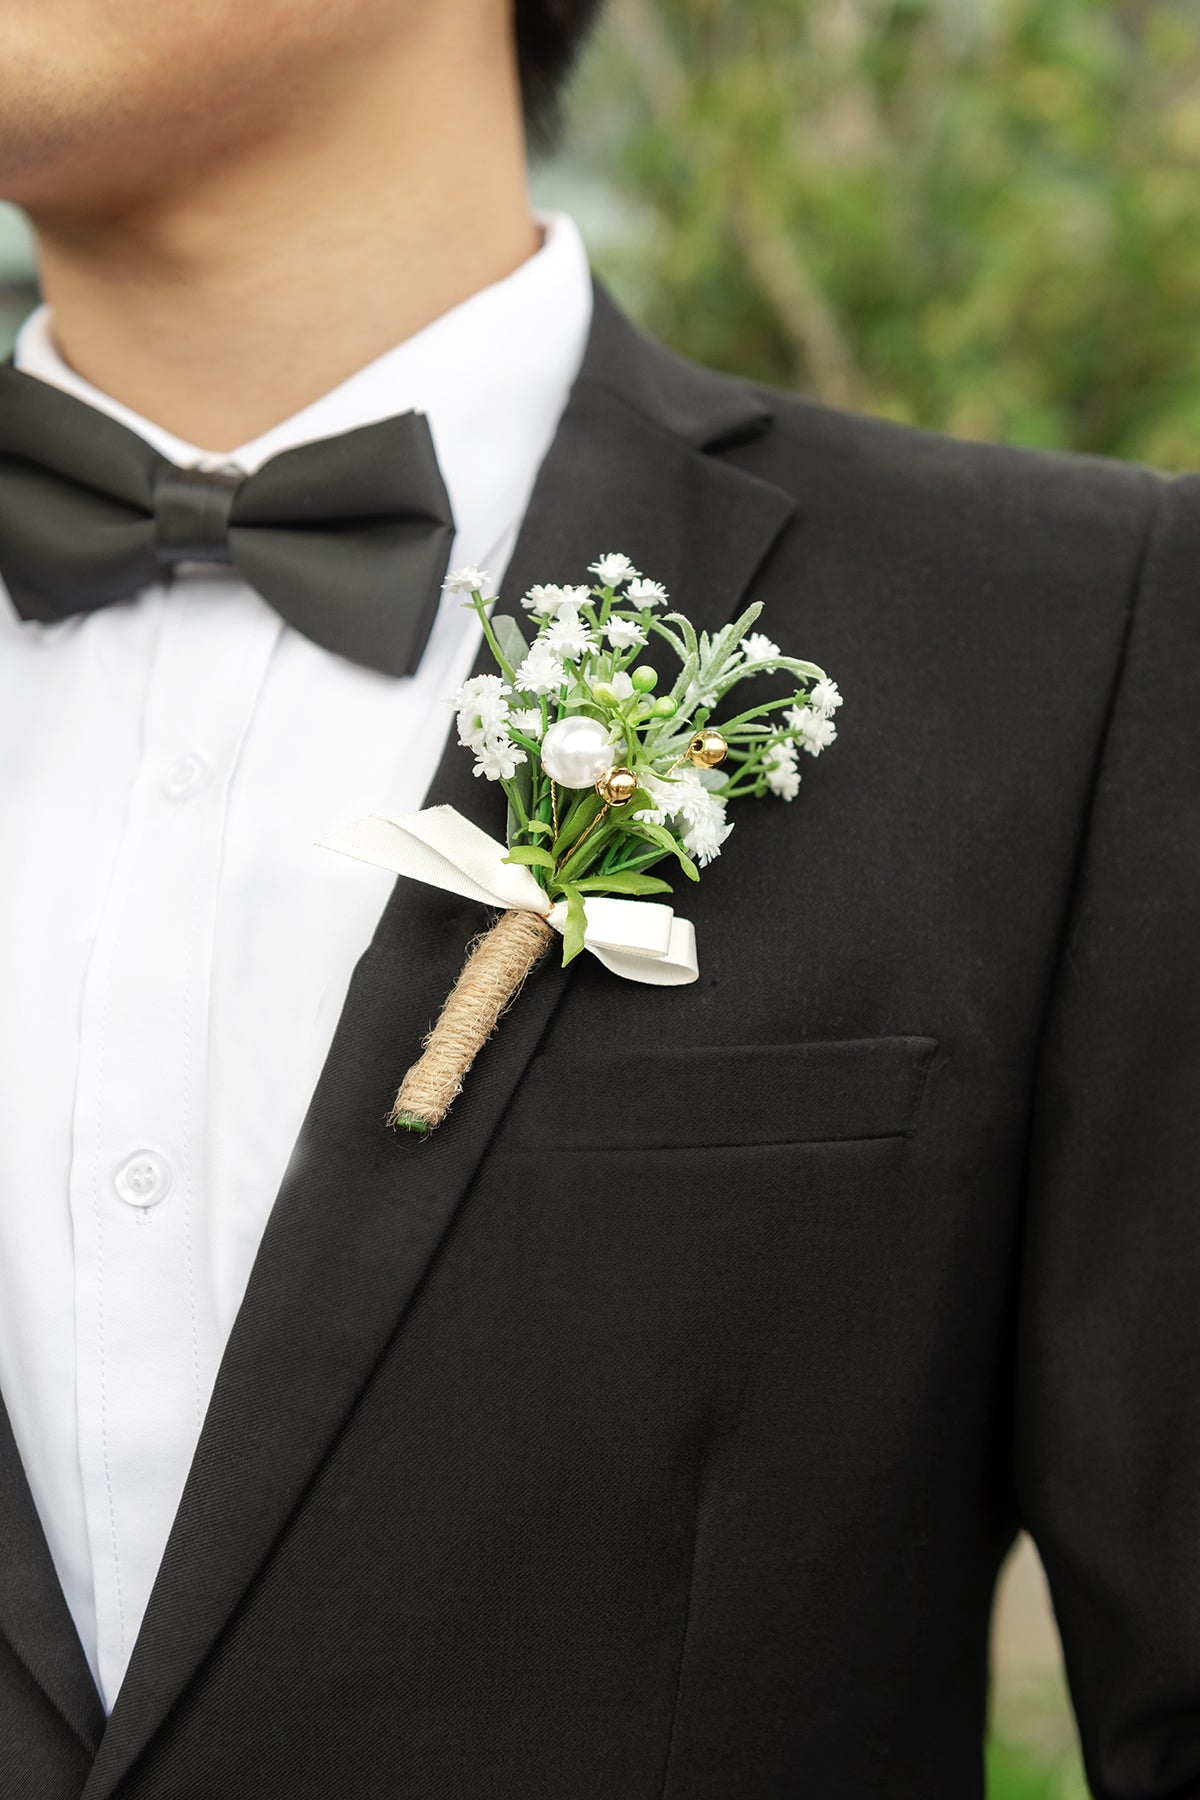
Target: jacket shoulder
x=1046 y=529
x=812 y=449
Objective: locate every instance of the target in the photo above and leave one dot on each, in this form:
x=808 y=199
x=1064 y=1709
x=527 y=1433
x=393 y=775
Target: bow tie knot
x=347 y=538
x=191 y=514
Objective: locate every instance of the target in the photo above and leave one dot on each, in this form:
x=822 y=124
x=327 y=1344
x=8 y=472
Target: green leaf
x=578 y=816
x=530 y=854
x=575 y=925
x=509 y=637
x=658 y=834
x=623 y=881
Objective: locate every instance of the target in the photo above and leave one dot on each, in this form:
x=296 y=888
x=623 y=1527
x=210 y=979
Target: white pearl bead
x=576 y=752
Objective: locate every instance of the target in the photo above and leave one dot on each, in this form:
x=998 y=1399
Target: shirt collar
x=492 y=375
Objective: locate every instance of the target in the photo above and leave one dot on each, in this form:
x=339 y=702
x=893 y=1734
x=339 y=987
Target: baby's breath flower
x=704 y=839
x=646 y=593
x=612 y=569
x=482 y=709
x=498 y=758
x=528 y=721
x=542 y=671
x=685 y=798
x=779 y=766
x=569 y=635
x=543 y=598
x=825 y=698
x=548 y=599
x=759 y=648
x=467 y=580
x=624 y=634
x=486 y=689
x=816 y=731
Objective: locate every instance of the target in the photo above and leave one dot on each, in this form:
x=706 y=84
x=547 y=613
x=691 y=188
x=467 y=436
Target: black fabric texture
x=656 y=1429
x=347 y=538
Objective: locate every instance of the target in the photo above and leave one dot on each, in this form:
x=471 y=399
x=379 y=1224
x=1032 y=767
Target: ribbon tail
x=675 y=968
x=445 y=850
x=640 y=940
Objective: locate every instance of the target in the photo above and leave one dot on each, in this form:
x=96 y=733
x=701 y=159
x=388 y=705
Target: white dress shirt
x=175 y=952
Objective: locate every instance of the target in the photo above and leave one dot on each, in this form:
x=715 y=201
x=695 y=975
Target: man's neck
x=227 y=303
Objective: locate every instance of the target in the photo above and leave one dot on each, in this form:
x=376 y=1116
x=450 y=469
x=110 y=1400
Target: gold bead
x=707 y=749
x=617 y=786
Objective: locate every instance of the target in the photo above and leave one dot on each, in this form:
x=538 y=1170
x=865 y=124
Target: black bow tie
x=347 y=538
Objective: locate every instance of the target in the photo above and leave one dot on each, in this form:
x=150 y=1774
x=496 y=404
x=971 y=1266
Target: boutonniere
x=611 y=771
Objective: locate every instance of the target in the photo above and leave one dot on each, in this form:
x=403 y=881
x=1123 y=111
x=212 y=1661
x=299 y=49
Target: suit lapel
x=361 y=1213
x=33 y=1613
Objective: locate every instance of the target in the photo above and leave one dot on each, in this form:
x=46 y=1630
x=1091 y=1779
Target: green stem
x=727 y=725
x=514 y=796
x=505 y=667
x=582 y=860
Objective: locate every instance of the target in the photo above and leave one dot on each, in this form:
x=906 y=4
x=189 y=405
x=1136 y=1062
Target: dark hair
x=549 y=36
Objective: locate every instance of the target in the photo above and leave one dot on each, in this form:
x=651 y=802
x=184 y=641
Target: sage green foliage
x=975 y=215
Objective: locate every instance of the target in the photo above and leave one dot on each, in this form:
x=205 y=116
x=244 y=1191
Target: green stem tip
x=407 y=1121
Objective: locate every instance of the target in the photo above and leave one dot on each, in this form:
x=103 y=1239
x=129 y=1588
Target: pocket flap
x=688 y=1096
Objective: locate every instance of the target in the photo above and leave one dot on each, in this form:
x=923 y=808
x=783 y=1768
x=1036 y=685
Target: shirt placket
x=147 y=1343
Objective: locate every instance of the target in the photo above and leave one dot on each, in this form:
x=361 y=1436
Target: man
x=657 y=1427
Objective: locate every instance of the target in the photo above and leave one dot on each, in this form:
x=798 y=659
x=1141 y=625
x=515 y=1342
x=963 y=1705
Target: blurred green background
x=974 y=215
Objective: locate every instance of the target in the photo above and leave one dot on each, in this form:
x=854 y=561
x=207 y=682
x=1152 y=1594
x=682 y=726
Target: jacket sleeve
x=1108 y=1369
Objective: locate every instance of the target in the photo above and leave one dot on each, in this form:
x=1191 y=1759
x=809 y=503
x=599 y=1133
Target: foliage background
x=978 y=216
x=975 y=215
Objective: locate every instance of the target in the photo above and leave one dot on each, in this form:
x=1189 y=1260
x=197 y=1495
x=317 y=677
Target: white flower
x=704 y=840
x=816 y=731
x=528 y=721
x=759 y=648
x=482 y=709
x=569 y=636
x=612 y=569
x=487 y=690
x=467 y=580
x=624 y=634
x=543 y=598
x=684 y=797
x=825 y=698
x=548 y=599
x=646 y=593
x=542 y=671
x=779 y=766
x=699 y=809
x=498 y=759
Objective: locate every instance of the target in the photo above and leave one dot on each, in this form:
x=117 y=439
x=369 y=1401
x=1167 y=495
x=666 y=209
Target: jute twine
x=497 y=963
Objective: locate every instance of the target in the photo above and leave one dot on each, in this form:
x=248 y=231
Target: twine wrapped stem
x=496 y=967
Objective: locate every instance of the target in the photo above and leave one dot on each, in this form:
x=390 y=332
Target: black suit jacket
x=655 y=1430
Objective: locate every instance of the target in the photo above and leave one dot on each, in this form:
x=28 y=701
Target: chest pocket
x=687 y=1097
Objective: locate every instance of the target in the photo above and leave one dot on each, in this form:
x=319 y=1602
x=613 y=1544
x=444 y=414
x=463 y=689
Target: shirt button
x=186 y=776
x=143 y=1179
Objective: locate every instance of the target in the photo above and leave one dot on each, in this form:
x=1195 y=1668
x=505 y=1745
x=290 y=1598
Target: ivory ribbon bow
x=637 y=939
